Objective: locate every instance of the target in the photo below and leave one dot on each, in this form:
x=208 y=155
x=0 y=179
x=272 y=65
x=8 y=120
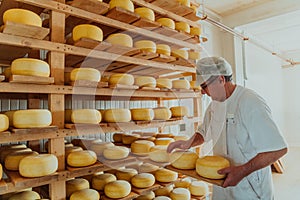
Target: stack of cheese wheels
x=181 y=84
x=159 y=153
x=25 y=195
x=147 y=196
x=141 y=147
x=122 y=79
x=5 y=152
x=126 y=174
x=38 y=165
x=12 y=160
x=145 y=13
x=142 y=114
x=22 y=16
x=87 y=31
x=81 y=158
x=162 y=198
x=208 y=166
x=125 y=4
x=185 y=2
x=180 y=193
x=179 y=111
x=194 y=85
x=117 y=137
x=88 y=74
x=183 y=183
x=184 y=159
x=4 y=122
x=148 y=168
x=117 y=189
x=86 y=116
x=143 y=180
x=120 y=39
x=182 y=26
x=32 y=118
x=145 y=81
x=130 y=138
x=30 y=67
x=77 y=184
x=165 y=175
x=100 y=180
x=180 y=53
x=195 y=31
x=115 y=153
x=194 y=55
x=164 y=83
x=167 y=22
x=163 y=49
x=68 y=150
x=164 y=191
x=98 y=148
x=146 y=45
x=117 y=115
x=199 y=188
x=162 y=113
x=88 y=194
x=163 y=141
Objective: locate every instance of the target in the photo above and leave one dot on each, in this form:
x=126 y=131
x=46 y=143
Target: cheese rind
x=208 y=166
x=126 y=174
x=166 y=22
x=162 y=113
x=141 y=146
x=22 y=16
x=32 y=118
x=86 y=116
x=165 y=175
x=81 y=158
x=182 y=26
x=142 y=114
x=120 y=39
x=145 y=81
x=77 y=184
x=89 y=74
x=115 y=153
x=4 y=122
x=25 y=195
x=117 y=115
x=143 y=180
x=12 y=160
x=199 y=188
x=179 y=111
x=163 y=49
x=184 y=159
x=145 y=12
x=85 y=194
x=100 y=180
x=180 y=53
x=123 y=79
x=30 y=67
x=164 y=83
x=146 y=45
x=125 y=4
x=180 y=193
x=117 y=189
x=87 y=31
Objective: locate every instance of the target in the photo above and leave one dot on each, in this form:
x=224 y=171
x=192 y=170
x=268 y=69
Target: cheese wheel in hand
x=81 y=158
x=146 y=45
x=163 y=49
x=180 y=193
x=182 y=26
x=22 y=16
x=141 y=146
x=120 y=39
x=208 y=166
x=86 y=116
x=77 y=184
x=164 y=83
x=87 y=31
x=162 y=113
x=145 y=13
x=115 y=153
x=85 y=194
x=159 y=153
x=122 y=79
x=165 y=175
x=143 y=180
x=117 y=115
x=89 y=74
x=145 y=81
x=32 y=118
x=25 y=195
x=4 y=122
x=117 y=189
x=179 y=111
x=30 y=67
x=12 y=160
x=199 y=188
x=166 y=22
x=184 y=159
x=100 y=180
x=142 y=114
x=125 y=4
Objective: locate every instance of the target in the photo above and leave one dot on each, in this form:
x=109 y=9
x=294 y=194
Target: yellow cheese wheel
x=184 y=159
x=181 y=84
x=147 y=196
x=145 y=12
x=162 y=113
x=68 y=150
x=32 y=118
x=164 y=191
x=77 y=184
x=180 y=193
x=142 y=114
x=164 y=135
x=159 y=153
x=126 y=174
x=199 y=188
x=145 y=45
x=1 y=172
x=117 y=115
x=194 y=85
x=4 y=122
x=194 y=55
x=12 y=160
x=145 y=81
x=117 y=137
x=182 y=26
x=141 y=146
x=147 y=168
x=100 y=180
x=179 y=111
x=143 y=180
x=115 y=153
x=195 y=31
x=86 y=116
x=117 y=189
x=30 y=67
x=25 y=195
x=7 y=73
x=166 y=22
x=163 y=141
x=81 y=158
x=89 y=74
x=183 y=183
x=163 y=49
x=165 y=175
x=164 y=83
x=38 y=165
x=120 y=39
x=87 y=31
x=22 y=16
x=185 y=2
x=123 y=79
x=208 y=166
x=125 y=4
x=162 y=198
x=8 y=151
x=85 y=194
x=129 y=138
x=98 y=148
x=180 y=53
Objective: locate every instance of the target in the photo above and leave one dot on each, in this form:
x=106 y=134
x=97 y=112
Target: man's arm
x=195 y=140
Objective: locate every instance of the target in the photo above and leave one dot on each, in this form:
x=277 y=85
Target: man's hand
x=234 y=175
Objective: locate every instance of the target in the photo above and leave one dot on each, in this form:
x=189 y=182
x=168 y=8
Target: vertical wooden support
x=160 y=104
x=197 y=111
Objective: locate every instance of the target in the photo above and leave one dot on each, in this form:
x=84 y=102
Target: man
x=240 y=125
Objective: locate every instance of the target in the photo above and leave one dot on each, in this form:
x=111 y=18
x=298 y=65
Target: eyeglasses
x=208 y=82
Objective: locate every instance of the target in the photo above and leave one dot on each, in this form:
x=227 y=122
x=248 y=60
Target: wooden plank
x=93 y=6
x=31 y=79
x=88 y=127
x=146 y=24
x=148 y=160
x=119 y=163
x=132 y=195
x=41 y=130
x=122 y=15
x=72 y=60
x=184 y=62
x=181 y=35
x=84 y=83
x=142 y=191
x=122 y=50
x=192 y=16
x=193 y=39
x=120 y=86
x=123 y=69
x=146 y=55
x=165 y=31
x=83 y=171
x=3 y=186
x=90 y=44
x=164 y=58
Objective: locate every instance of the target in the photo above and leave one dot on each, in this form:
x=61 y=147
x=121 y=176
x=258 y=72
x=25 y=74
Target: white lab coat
x=240 y=128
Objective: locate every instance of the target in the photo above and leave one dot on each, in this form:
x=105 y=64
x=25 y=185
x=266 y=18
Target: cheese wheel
x=208 y=166
x=179 y=111
x=25 y=195
x=164 y=191
x=180 y=193
x=117 y=189
x=89 y=74
x=38 y=165
x=126 y=174
x=148 y=196
x=145 y=13
x=8 y=151
x=125 y=4
x=163 y=141
x=141 y=146
x=185 y=2
x=145 y=45
x=182 y=26
x=145 y=81
x=100 y=180
x=22 y=16
x=123 y=79
x=32 y=118
x=162 y=113
x=194 y=85
x=7 y=73
x=68 y=150
x=165 y=175
x=194 y=55
x=181 y=84
x=164 y=135
x=81 y=158
x=143 y=180
x=142 y=114
x=162 y=198
x=1 y=172
x=180 y=53
x=129 y=138
x=120 y=39
x=166 y=22
x=98 y=148
x=30 y=67
x=148 y=168
x=117 y=115
x=184 y=159
x=183 y=183
x=149 y=138
x=199 y=188
x=87 y=31
x=12 y=160
x=163 y=49
x=115 y=153
x=85 y=194
x=77 y=184
x=10 y=115
x=195 y=31
x=117 y=137
x=159 y=153
x=4 y=122
x=86 y=116
x=164 y=83
x=180 y=137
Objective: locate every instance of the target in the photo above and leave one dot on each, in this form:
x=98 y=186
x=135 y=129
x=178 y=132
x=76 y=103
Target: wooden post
x=197 y=112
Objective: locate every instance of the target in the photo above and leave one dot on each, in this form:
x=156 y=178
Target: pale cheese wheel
x=142 y=114
x=179 y=111
x=183 y=183
x=180 y=53
x=199 y=188
x=164 y=191
x=122 y=79
x=143 y=180
x=145 y=45
x=162 y=198
x=159 y=153
x=4 y=122
x=208 y=166
x=163 y=141
x=81 y=158
x=148 y=168
x=100 y=180
x=117 y=189
x=163 y=49
x=166 y=22
x=115 y=153
x=165 y=175
x=141 y=146
x=195 y=31
x=180 y=193
x=69 y=150
x=25 y=195
x=181 y=84
x=194 y=85
x=22 y=16
x=117 y=137
x=145 y=81
x=32 y=118
x=75 y=185
x=98 y=148
x=164 y=83
x=89 y=74
x=87 y=31
x=85 y=194
x=184 y=159
x=125 y=4
x=185 y=2
x=126 y=174
x=162 y=113
x=117 y=115
x=120 y=39
x=30 y=67
x=8 y=151
x=148 y=196
x=130 y=138
x=38 y=165
x=12 y=160
x=182 y=26
x=86 y=116
x=194 y=55
x=145 y=13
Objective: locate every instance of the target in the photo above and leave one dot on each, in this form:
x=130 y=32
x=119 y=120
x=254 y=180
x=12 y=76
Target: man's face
x=215 y=88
